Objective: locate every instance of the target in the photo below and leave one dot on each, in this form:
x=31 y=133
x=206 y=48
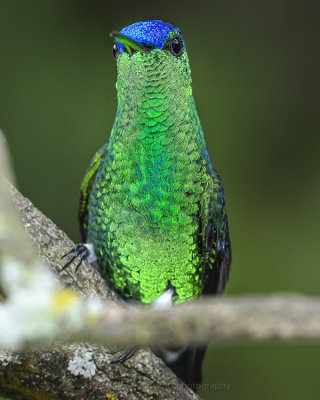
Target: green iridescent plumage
x=152 y=205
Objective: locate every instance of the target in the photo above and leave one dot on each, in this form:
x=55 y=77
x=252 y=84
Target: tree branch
x=50 y=243
x=51 y=374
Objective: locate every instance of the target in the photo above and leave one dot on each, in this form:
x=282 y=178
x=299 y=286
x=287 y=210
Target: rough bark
x=44 y=375
x=51 y=243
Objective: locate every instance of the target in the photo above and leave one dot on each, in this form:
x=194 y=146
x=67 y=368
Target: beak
x=129 y=44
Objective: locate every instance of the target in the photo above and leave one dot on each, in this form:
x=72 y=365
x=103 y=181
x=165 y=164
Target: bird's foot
x=125 y=355
x=79 y=250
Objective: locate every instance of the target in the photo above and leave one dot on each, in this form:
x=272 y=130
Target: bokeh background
x=255 y=67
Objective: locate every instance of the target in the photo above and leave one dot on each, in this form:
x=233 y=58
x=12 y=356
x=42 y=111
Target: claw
x=79 y=250
x=128 y=353
x=69 y=261
x=69 y=252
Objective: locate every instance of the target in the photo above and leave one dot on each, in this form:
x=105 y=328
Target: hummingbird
x=152 y=207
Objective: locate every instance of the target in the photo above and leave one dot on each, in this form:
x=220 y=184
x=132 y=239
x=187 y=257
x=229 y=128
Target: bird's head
x=149 y=53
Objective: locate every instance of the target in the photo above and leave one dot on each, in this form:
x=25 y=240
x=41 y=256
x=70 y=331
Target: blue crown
x=152 y=32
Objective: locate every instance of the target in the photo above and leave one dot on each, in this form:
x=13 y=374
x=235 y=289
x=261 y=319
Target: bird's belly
x=142 y=251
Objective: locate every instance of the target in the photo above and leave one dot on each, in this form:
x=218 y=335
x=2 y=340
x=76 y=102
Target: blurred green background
x=255 y=67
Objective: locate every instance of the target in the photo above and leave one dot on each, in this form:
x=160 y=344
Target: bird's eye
x=115 y=51
x=175 y=46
